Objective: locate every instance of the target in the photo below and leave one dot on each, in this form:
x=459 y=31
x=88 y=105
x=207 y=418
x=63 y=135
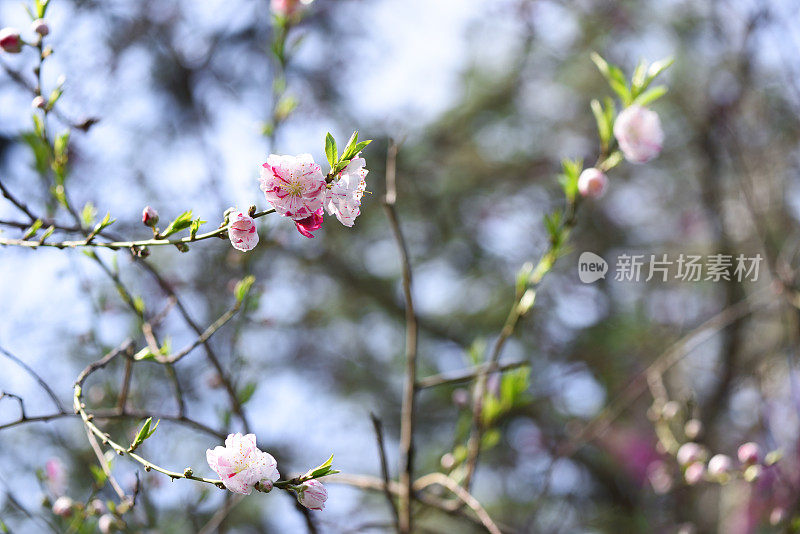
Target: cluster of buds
x=11 y=41
x=720 y=468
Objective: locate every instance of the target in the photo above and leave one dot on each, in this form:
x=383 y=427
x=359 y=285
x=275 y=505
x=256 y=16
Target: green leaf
x=195 y=227
x=88 y=214
x=247 y=392
x=638 y=78
x=243 y=287
x=60 y=145
x=650 y=96
x=138 y=304
x=98 y=474
x=182 y=222
x=30 y=232
x=330 y=150
x=614 y=76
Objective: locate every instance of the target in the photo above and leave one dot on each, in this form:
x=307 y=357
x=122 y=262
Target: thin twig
x=467 y=374
x=36 y=377
x=408 y=414
x=114 y=245
x=461 y=493
x=376 y=423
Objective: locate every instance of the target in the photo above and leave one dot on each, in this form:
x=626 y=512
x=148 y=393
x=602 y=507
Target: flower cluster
x=297 y=189
x=636 y=129
x=243 y=467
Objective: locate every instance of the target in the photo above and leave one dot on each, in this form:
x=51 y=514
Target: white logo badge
x=591 y=267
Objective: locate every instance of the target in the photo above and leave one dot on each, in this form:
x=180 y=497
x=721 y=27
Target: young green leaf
x=182 y=222
x=650 y=96
x=330 y=150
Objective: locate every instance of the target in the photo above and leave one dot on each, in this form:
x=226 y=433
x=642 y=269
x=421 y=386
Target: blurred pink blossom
x=56 y=477
x=749 y=453
x=639 y=134
x=241 y=465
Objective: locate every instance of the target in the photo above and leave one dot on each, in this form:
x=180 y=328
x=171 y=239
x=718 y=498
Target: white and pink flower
x=241 y=465
x=294 y=185
x=639 y=134
x=592 y=183
x=343 y=199
x=312 y=495
x=310 y=224
x=242 y=232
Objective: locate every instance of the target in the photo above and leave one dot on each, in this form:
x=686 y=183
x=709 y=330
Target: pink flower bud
x=63 y=507
x=242 y=232
x=149 y=217
x=719 y=464
x=460 y=397
x=690 y=452
x=56 y=477
x=40 y=26
x=39 y=102
x=694 y=473
x=777 y=516
x=106 y=523
x=95 y=507
x=312 y=495
x=639 y=134
x=749 y=453
x=592 y=183
x=692 y=428
x=10 y=41
x=310 y=224
x=670 y=410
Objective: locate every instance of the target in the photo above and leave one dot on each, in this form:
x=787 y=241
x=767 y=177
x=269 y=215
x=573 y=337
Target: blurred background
x=485 y=99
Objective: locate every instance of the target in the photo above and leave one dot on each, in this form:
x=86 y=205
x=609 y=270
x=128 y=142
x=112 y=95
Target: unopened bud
x=777 y=516
x=10 y=41
x=40 y=26
x=39 y=102
x=689 y=453
x=149 y=217
x=719 y=465
x=694 y=473
x=670 y=410
x=63 y=507
x=592 y=183
x=749 y=453
x=692 y=428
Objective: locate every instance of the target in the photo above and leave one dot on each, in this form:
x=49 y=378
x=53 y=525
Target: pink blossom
x=749 y=453
x=294 y=185
x=106 y=523
x=310 y=224
x=55 y=475
x=63 y=507
x=312 y=495
x=39 y=102
x=592 y=183
x=694 y=473
x=10 y=41
x=690 y=452
x=283 y=8
x=343 y=199
x=242 y=232
x=241 y=465
x=719 y=464
x=639 y=134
